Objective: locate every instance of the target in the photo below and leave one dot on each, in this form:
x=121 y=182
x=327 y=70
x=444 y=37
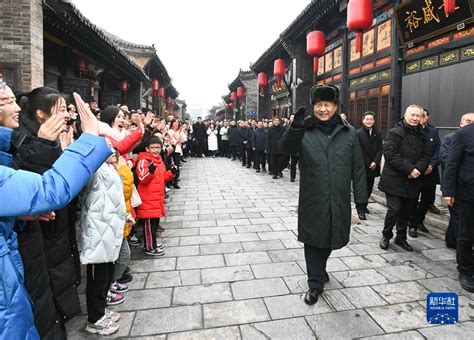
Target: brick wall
x=21 y=40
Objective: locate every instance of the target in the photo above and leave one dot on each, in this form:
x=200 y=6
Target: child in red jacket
x=153 y=176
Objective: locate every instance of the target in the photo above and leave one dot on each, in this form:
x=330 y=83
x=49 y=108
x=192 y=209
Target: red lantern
x=231 y=105
x=449 y=6
x=124 y=88
x=240 y=91
x=279 y=69
x=81 y=66
x=233 y=96
x=315 y=46
x=359 y=19
x=155 y=85
x=161 y=92
x=262 y=82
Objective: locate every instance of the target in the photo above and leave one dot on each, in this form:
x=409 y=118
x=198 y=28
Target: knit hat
x=328 y=93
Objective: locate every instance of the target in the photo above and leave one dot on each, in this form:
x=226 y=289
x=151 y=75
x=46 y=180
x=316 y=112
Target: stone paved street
x=233 y=269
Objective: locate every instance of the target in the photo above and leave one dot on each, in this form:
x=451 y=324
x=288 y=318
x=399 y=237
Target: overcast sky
x=202 y=44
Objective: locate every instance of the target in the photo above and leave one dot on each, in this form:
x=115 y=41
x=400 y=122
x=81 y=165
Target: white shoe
x=103 y=326
x=114 y=316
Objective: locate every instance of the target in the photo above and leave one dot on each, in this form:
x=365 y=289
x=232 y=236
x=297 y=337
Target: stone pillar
x=21 y=40
x=303 y=76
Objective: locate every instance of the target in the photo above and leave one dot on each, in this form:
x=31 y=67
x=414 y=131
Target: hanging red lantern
x=449 y=6
x=262 y=81
x=161 y=92
x=279 y=69
x=231 y=105
x=315 y=46
x=240 y=91
x=359 y=19
x=233 y=96
x=81 y=66
x=155 y=86
x=124 y=88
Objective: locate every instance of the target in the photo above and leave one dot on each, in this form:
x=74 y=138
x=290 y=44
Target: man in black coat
x=277 y=156
x=233 y=135
x=249 y=145
x=258 y=143
x=458 y=186
x=199 y=136
x=243 y=142
x=372 y=147
x=407 y=155
x=429 y=180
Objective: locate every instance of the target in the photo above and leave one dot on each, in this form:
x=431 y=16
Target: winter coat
x=31 y=194
x=444 y=150
x=242 y=135
x=103 y=216
x=212 y=139
x=435 y=143
x=372 y=148
x=404 y=149
x=273 y=139
x=127 y=180
x=458 y=178
x=259 y=139
x=327 y=167
x=48 y=249
x=223 y=133
x=233 y=133
x=199 y=131
x=249 y=145
x=177 y=139
x=152 y=186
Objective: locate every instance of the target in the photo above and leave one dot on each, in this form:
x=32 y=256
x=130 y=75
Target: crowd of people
x=68 y=167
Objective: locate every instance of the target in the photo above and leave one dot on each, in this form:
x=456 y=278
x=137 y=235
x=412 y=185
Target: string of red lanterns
x=315 y=46
x=155 y=86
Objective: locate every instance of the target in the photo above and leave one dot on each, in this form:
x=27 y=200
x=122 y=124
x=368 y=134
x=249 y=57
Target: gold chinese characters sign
x=418 y=20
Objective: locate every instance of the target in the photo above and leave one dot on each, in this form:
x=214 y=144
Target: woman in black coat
x=372 y=147
x=48 y=249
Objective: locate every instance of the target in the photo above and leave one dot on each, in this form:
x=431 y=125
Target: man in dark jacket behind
x=458 y=185
x=199 y=136
x=371 y=145
x=249 y=145
x=233 y=134
x=407 y=155
x=243 y=142
x=277 y=157
x=258 y=143
x=330 y=159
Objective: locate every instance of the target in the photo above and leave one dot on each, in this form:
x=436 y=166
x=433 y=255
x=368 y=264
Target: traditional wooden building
x=246 y=106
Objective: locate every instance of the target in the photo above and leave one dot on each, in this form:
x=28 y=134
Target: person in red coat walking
x=153 y=176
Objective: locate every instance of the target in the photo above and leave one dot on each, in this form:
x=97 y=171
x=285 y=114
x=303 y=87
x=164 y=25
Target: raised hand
x=66 y=138
x=89 y=122
x=298 y=120
x=51 y=129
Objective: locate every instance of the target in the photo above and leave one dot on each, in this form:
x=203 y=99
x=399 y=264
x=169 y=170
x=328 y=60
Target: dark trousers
x=99 y=279
x=464 y=256
x=427 y=197
x=243 y=153
x=316 y=259
x=177 y=162
x=399 y=210
x=293 y=163
x=200 y=145
x=451 y=236
x=234 y=151
x=224 y=152
x=360 y=207
x=259 y=160
x=150 y=225
x=276 y=161
x=249 y=153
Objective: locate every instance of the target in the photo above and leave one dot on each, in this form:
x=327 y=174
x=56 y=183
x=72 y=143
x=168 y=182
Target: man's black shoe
x=292 y=180
x=127 y=270
x=184 y=161
x=362 y=216
x=467 y=282
x=275 y=177
x=434 y=210
x=421 y=227
x=384 y=243
x=403 y=244
x=264 y=170
x=176 y=186
x=326 y=277
x=126 y=277
x=367 y=211
x=280 y=174
x=312 y=296
x=412 y=232
x=258 y=170
x=248 y=166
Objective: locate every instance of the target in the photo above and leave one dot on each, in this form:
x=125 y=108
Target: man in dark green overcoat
x=330 y=158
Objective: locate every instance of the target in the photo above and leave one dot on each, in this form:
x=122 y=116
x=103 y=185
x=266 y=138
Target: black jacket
x=250 y=137
x=233 y=134
x=273 y=139
x=199 y=131
x=48 y=249
x=433 y=140
x=405 y=149
x=242 y=135
x=259 y=139
x=372 y=148
x=458 y=177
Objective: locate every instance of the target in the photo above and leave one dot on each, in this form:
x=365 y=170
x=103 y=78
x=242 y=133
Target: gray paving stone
x=366 y=249
x=181 y=251
x=276 y=269
x=208 y=293
x=402 y=292
x=293 y=305
x=359 y=278
x=262 y=245
x=295 y=328
x=276 y=235
x=221 y=248
x=193 y=240
x=182 y=232
x=233 y=222
x=227 y=333
x=365 y=262
x=408 y=316
x=407 y=272
x=226 y=274
x=362 y=297
x=343 y=325
x=445 y=284
x=342 y=252
x=173 y=278
x=216 y=230
x=286 y=255
x=335 y=264
x=138 y=282
x=258 y=288
x=145 y=299
x=337 y=300
x=204 y=224
x=443 y=254
x=181 y=218
x=299 y=283
x=440 y=268
x=246 y=258
x=252 y=228
x=239 y=237
x=152 y=265
x=198 y=262
x=410 y=335
x=166 y=320
x=247 y=215
x=462 y=330
x=406 y=257
x=234 y=313
x=290 y=243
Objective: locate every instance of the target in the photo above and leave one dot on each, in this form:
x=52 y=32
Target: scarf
x=327 y=127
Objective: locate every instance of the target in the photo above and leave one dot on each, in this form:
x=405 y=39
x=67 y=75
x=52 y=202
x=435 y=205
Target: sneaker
x=103 y=326
x=126 y=277
x=117 y=287
x=159 y=246
x=114 y=298
x=134 y=241
x=114 y=316
x=155 y=252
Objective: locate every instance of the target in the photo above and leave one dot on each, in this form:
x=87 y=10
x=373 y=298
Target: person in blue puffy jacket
x=32 y=196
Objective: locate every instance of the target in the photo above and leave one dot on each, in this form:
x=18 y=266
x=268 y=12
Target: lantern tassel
x=262 y=91
x=279 y=81
x=359 y=41
x=315 y=65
